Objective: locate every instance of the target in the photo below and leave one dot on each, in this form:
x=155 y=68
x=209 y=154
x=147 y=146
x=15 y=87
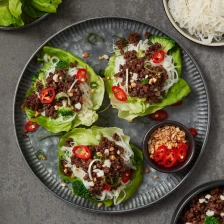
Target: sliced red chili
x=160 y=153
x=177 y=104
x=81 y=75
x=47 y=95
x=126 y=176
x=82 y=151
x=159 y=115
x=182 y=152
x=158 y=56
x=170 y=158
x=193 y=131
x=107 y=187
x=30 y=126
x=119 y=93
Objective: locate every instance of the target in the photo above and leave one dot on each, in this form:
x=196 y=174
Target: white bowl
x=184 y=32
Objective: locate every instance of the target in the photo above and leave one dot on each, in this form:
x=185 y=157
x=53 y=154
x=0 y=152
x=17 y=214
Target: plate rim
x=193 y=193
x=186 y=35
x=10 y=28
x=206 y=133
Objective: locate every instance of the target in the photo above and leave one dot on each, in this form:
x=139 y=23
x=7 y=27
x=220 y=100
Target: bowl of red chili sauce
x=168 y=146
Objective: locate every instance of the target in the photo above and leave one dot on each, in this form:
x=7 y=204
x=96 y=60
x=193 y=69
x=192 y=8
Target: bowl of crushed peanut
x=168 y=146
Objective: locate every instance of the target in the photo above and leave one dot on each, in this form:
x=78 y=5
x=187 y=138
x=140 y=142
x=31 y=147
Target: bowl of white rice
x=201 y=21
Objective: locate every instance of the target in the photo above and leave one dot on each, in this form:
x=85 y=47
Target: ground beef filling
x=63 y=84
x=106 y=150
x=195 y=212
x=150 y=79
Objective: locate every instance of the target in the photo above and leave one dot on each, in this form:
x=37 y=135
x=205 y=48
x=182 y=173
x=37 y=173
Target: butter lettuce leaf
x=88 y=137
x=135 y=106
x=46 y=5
x=65 y=124
x=10 y=13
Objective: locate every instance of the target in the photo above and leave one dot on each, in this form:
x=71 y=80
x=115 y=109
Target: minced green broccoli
x=65 y=111
x=166 y=42
x=211 y=220
x=62 y=64
x=79 y=189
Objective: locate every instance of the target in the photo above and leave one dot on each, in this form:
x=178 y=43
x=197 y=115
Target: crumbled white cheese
x=106 y=151
x=107 y=163
x=99 y=173
x=210 y=213
x=222 y=214
x=78 y=106
x=105 y=56
x=120 y=79
x=135 y=76
x=222 y=197
x=202 y=200
x=188 y=223
x=146 y=76
x=208 y=196
x=55 y=78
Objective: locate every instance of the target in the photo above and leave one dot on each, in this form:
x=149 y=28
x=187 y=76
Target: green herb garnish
x=145 y=81
x=40 y=155
x=152 y=71
x=92 y=38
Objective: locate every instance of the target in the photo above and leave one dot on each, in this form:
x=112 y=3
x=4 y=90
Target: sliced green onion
x=62 y=157
x=152 y=71
x=114 y=185
x=93 y=85
x=122 y=38
x=39 y=60
x=40 y=155
x=105 y=180
x=92 y=38
x=101 y=73
x=145 y=81
x=49 y=136
x=144 y=121
x=101 y=111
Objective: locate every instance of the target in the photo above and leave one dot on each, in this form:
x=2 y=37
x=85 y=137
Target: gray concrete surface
x=23 y=199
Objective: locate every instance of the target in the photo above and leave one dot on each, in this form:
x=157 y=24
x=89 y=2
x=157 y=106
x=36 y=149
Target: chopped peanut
x=85 y=55
x=147 y=170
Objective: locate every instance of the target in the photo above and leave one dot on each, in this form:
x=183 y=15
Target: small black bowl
x=196 y=191
x=190 y=143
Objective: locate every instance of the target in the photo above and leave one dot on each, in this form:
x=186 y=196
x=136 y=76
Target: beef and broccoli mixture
x=203 y=206
x=61 y=89
x=107 y=172
x=144 y=79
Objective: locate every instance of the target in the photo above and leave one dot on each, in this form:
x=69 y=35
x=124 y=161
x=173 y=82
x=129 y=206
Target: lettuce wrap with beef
x=101 y=164
x=143 y=77
x=65 y=92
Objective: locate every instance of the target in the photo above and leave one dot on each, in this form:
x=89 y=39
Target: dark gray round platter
x=27 y=24
x=194 y=112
